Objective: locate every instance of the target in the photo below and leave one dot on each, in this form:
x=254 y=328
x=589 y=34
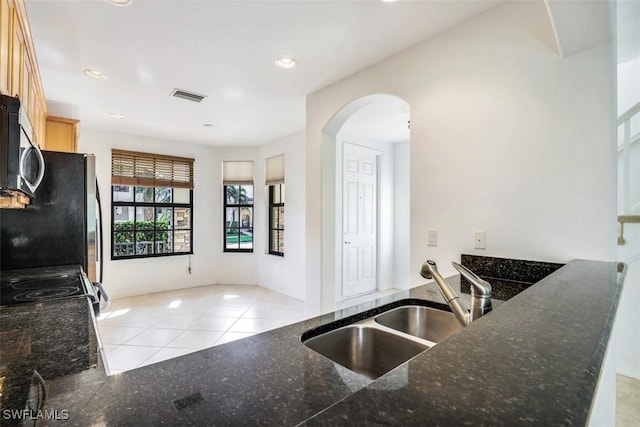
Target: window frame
x=136 y=204
x=147 y=170
x=273 y=206
x=240 y=206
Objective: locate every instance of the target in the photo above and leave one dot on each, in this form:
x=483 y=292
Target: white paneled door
x=360 y=205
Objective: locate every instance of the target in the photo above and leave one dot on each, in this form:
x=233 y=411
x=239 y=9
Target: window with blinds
x=274 y=180
x=150 y=170
x=276 y=219
x=274 y=170
x=237 y=180
x=152 y=205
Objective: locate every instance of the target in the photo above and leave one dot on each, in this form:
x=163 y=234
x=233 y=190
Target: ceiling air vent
x=189 y=96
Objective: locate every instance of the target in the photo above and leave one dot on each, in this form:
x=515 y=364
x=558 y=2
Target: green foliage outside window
x=145 y=231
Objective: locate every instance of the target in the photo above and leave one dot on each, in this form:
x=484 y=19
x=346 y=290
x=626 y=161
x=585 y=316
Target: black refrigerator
x=59 y=226
x=56 y=232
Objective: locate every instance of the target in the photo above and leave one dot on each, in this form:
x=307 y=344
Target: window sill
x=149 y=256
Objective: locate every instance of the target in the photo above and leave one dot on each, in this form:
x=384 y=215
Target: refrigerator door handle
x=99 y=235
x=103 y=295
x=23 y=159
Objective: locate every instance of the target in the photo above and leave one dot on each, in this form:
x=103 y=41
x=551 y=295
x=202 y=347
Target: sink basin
x=423 y=322
x=377 y=344
x=365 y=349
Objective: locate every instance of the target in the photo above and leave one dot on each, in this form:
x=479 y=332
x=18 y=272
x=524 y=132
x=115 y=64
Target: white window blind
x=237 y=172
x=275 y=170
x=150 y=170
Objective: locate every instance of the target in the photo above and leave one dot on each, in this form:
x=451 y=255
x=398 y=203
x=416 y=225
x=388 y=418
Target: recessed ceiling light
x=120 y=2
x=117 y=116
x=286 y=63
x=95 y=74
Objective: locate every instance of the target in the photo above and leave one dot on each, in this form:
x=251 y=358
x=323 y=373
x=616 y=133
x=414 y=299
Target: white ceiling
x=579 y=25
x=222 y=49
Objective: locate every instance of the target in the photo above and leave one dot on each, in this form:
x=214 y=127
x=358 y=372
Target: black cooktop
x=41 y=284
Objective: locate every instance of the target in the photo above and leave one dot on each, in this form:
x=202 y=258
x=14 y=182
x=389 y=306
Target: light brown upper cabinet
x=62 y=134
x=6 y=20
x=19 y=74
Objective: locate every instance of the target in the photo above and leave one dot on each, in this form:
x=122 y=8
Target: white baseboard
x=633 y=373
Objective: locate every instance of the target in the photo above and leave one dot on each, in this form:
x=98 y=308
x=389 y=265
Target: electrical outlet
x=432 y=237
x=480 y=240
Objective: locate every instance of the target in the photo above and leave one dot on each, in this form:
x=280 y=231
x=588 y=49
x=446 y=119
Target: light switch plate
x=480 y=240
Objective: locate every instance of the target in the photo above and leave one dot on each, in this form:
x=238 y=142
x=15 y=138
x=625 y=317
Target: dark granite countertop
x=55 y=338
x=533 y=360
x=508 y=276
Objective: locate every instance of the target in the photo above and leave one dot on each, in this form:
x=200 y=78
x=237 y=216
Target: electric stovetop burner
x=47 y=294
x=41 y=284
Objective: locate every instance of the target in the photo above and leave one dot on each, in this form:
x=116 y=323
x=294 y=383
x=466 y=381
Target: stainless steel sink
x=423 y=322
x=374 y=346
x=364 y=349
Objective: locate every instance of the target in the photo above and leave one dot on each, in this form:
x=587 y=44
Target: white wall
x=628 y=316
x=237 y=268
x=603 y=406
x=628 y=91
x=506 y=137
x=210 y=265
x=402 y=217
x=628 y=85
x=284 y=274
x=140 y=276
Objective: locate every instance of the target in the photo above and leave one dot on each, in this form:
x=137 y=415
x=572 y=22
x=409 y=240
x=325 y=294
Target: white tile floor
x=146 y=329
x=627 y=402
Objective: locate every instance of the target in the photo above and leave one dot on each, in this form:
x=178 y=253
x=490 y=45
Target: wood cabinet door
x=36 y=120
x=17 y=52
x=61 y=135
x=27 y=90
x=6 y=15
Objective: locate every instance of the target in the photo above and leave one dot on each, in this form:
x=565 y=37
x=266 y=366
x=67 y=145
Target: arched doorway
x=365 y=209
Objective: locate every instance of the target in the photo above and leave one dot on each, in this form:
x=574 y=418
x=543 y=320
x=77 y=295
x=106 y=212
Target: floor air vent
x=189 y=96
x=187 y=401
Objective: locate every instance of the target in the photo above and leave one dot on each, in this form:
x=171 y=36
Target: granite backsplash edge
x=508 y=276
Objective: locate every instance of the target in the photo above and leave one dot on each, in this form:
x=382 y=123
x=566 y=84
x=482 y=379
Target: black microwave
x=21 y=162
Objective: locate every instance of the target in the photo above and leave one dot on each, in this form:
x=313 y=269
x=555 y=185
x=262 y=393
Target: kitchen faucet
x=480 y=292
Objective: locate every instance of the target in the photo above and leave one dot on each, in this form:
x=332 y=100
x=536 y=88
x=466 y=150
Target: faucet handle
x=428 y=267
x=479 y=287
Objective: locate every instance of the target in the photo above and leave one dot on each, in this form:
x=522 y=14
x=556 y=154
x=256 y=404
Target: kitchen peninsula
x=534 y=360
